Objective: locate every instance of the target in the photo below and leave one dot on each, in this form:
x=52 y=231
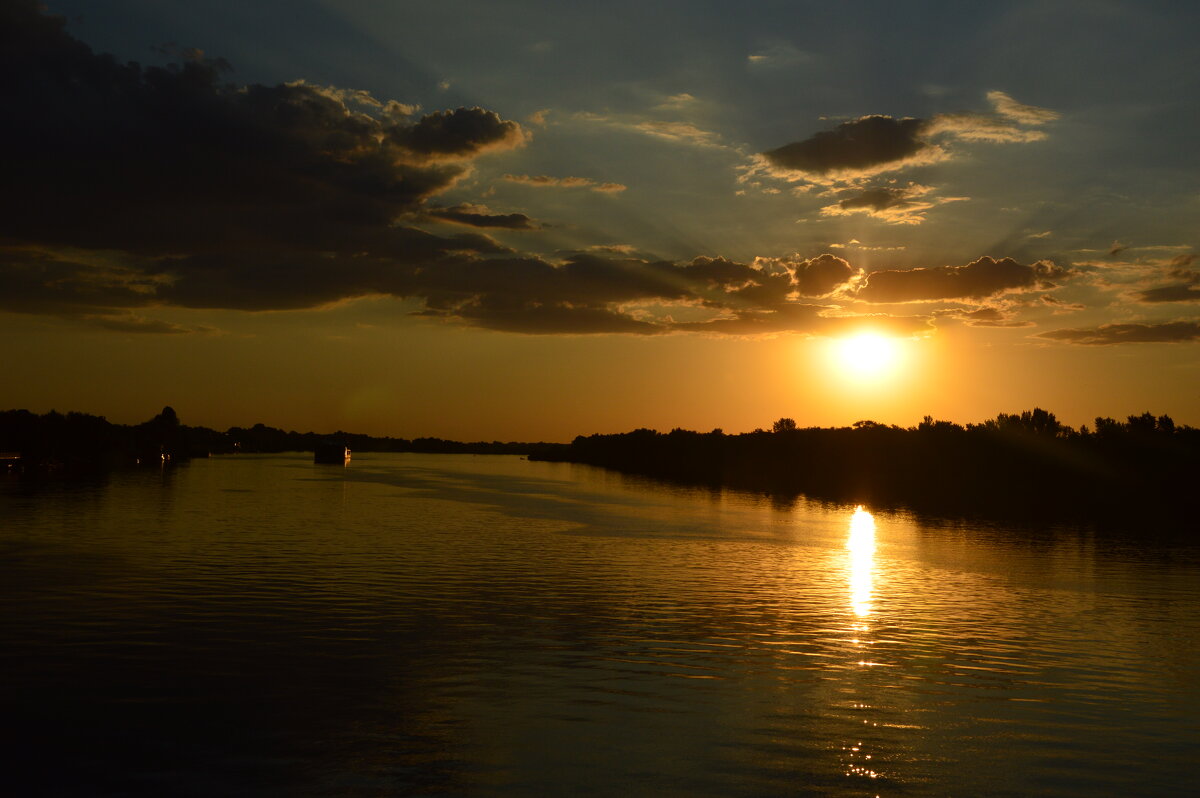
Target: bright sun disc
x=867 y=354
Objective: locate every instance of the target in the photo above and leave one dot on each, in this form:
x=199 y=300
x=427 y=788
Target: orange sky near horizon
x=480 y=385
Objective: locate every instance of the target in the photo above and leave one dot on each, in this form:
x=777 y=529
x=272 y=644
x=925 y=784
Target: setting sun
x=867 y=354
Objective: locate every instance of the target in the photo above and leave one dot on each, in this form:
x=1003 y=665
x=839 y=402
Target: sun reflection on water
x=861 y=544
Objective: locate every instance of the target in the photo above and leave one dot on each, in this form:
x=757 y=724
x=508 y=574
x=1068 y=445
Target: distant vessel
x=332 y=453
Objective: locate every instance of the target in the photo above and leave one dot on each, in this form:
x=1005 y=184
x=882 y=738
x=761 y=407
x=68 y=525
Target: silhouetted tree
x=928 y=424
x=1108 y=428
x=1144 y=424
x=1020 y=463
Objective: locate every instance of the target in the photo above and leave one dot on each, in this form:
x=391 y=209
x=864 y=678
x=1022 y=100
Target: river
x=485 y=625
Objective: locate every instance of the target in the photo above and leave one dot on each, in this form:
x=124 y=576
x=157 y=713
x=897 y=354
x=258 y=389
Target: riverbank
x=1018 y=465
x=75 y=442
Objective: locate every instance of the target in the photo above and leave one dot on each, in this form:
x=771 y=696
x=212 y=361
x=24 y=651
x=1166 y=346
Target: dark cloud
x=892 y=204
x=992 y=317
x=33 y=281
x=862 y=145
x=1106 y=334
x=766 y=290
x=518 y=293
x=157 y=160
x=876 y=199
x=983 y=317
x=984 y=314
x=480 y=216
x=128 y=188
x=1180 y=292
x=586 y=293
x=821 y=275
x=1055 y=302
x=1001 y=323
x=456 y=134
x=586 y=279
x=545 y=319
x=811 y=319
x=98 y=294
x=874 y=144
x=720 y=272
x=468 y=279
x=130 y=323
x=1186 y=290
x=981 y=278
x=267 y=280
x=780 y=278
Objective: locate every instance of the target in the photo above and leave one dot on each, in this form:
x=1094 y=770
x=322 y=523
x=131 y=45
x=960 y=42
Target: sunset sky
x=531 y=220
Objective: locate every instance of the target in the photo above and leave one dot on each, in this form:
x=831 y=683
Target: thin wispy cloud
x=546 y=181
x=1171 y=332
x=679 y=132
x=475 y=215
x=892 y=204
x=1024 y=114
x=777 y=56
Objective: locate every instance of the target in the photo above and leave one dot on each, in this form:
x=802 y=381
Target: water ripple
x=431 y=624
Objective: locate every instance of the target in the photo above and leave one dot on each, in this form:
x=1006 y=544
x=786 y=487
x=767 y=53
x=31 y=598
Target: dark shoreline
x=1019 y=468
x=58 y=443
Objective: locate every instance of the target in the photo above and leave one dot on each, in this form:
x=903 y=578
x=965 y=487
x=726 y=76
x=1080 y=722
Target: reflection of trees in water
x=1013 y=464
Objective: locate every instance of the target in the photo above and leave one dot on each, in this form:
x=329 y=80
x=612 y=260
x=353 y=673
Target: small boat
x=332 y=454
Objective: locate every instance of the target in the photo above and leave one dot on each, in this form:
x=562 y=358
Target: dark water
x=484 y=625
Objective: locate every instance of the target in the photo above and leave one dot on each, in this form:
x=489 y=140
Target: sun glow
x=867 y=355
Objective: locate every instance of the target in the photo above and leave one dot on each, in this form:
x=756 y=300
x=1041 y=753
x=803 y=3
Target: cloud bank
x=979 y=279
x=1109 y=334
x=142 y=187
x=159 y=160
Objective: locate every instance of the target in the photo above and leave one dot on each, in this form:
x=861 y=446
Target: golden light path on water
x=861 y=554
x=861 y=544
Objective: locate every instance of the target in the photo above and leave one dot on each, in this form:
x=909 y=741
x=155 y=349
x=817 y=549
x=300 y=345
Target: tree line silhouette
x=1013 y=464
x=78 y=441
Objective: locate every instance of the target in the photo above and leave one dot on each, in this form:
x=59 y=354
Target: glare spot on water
x=862 y=555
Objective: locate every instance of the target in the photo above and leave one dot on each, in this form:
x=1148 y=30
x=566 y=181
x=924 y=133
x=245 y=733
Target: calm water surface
x=439 y=624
